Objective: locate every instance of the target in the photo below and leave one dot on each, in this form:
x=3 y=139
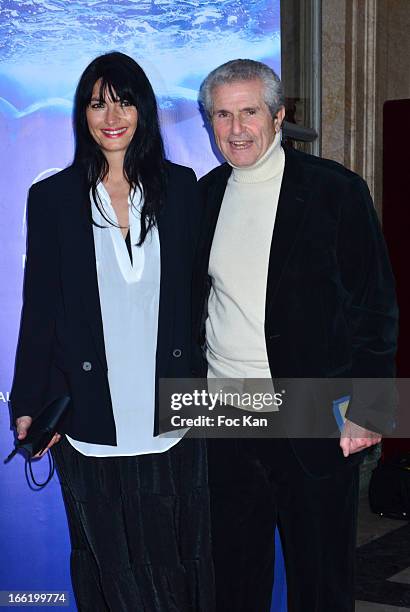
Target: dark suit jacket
x=330 y=297
x=61 y=343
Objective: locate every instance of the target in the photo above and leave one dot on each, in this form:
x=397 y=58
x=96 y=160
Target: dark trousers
x=258 y=484
x=140 y=529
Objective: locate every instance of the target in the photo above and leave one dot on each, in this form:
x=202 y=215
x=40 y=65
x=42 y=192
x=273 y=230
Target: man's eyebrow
x=241 y=110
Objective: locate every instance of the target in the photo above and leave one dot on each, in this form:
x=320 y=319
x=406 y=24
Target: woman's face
x=112 y=123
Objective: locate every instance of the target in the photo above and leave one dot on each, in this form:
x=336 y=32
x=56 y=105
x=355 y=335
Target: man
x=293 y=271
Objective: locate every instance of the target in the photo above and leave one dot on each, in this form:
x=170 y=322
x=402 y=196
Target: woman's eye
x=125 y=103
x=96 y=105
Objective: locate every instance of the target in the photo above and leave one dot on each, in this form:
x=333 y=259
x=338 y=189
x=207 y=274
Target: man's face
x=243 y=126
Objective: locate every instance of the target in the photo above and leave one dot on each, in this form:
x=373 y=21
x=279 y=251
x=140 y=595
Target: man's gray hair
x=243 y=70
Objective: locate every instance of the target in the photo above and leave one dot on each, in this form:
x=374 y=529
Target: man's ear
x=280 y=115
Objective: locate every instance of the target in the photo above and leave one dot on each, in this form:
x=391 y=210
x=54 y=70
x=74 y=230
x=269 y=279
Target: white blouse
x=129 y=298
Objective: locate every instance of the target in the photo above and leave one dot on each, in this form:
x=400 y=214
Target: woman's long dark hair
x=144 y=162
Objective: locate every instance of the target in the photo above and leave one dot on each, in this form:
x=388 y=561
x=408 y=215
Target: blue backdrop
x=46 y=44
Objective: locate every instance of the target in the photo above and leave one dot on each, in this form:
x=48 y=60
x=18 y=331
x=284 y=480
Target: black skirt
x=139 y=528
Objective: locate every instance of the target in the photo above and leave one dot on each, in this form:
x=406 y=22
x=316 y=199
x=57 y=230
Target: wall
x=365 y=51
x=365 y=61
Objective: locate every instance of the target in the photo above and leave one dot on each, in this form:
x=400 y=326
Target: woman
x=106 y=314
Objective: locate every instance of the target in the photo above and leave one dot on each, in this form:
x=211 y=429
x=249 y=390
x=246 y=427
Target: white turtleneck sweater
x=238 y=267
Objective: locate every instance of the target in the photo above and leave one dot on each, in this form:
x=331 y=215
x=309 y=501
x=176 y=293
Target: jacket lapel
x=212 y=196
x=292 y=207
x=168 y=239
x=212 y=205
x=84 y=256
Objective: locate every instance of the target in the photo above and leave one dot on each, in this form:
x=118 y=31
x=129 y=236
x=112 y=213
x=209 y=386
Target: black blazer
x=61 y=343
x=330 y=297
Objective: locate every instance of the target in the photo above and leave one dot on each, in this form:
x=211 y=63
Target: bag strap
x=39 y=485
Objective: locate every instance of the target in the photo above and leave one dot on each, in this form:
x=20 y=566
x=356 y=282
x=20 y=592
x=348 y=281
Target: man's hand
x=355 y=438
x=22 y=426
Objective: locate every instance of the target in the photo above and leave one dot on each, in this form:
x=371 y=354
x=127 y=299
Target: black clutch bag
x=42 y=430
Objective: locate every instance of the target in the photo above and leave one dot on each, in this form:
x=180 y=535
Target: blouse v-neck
x=130 y=257
x=128 y=244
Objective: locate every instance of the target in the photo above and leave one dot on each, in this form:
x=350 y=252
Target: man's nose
x=236 y=125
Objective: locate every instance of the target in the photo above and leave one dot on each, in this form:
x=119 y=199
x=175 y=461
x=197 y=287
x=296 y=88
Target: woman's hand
x=22 y=426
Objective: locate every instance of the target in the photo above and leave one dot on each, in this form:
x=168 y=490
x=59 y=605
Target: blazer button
x=87 y=366
x=177 y=352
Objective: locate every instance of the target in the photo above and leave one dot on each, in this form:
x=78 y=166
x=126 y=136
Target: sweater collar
x=269 y=166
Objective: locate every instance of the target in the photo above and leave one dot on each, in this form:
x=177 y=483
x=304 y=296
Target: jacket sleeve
x=372 y=310
x=40 y=291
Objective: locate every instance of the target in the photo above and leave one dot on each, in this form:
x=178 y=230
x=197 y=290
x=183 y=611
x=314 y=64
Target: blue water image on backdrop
x=45 y=45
